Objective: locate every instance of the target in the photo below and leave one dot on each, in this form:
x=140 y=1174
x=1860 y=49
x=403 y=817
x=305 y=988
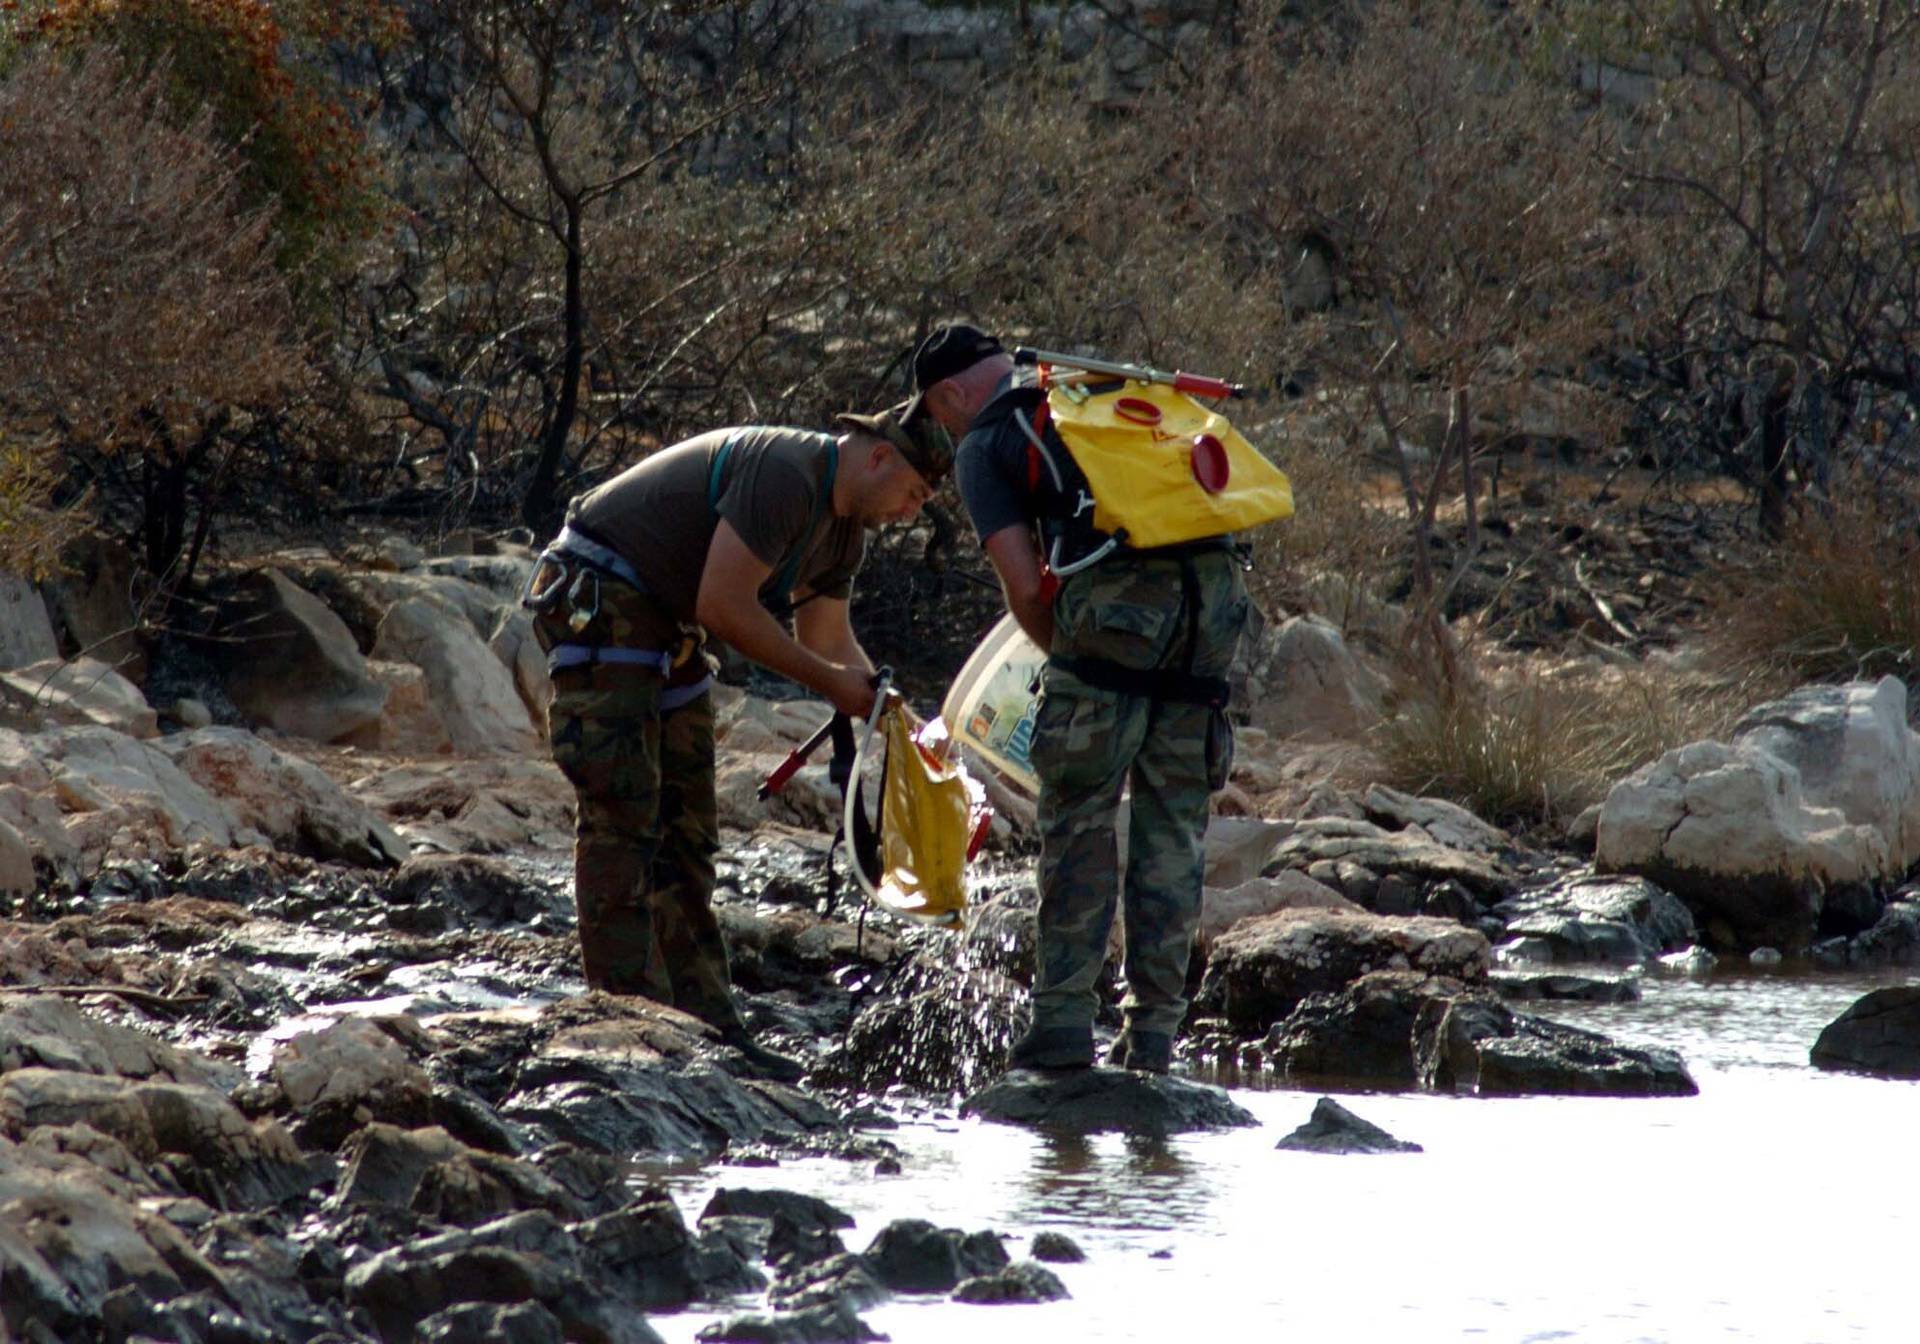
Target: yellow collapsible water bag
x=926 y=825
x=1164 y=467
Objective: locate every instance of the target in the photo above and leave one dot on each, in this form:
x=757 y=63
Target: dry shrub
x=1533 y=748
x=1835 y=598
x=139 y=304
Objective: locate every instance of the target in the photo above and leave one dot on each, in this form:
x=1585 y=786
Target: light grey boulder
x=292 y=802
x=120 y=783
x=86 y=689
x=471 y=690
x=1816 y=793
x=1303 y=681
x=26 y=634
x=1290 y=889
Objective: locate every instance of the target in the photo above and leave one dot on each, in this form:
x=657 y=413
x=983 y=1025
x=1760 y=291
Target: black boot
x=1146 y=1051
x=1053 y=1048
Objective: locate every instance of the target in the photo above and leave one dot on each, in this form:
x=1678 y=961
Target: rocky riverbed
x=293 y=1044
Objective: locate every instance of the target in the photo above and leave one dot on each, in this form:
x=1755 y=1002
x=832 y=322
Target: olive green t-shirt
x=660 y=513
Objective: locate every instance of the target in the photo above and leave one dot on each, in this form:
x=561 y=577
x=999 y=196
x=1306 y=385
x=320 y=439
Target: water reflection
x=1115 y=1182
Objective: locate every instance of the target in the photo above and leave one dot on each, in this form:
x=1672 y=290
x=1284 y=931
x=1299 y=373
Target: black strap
x=1171 y=684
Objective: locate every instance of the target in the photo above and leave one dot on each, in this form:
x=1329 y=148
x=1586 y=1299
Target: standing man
x=731 y=532
x=1133 y=694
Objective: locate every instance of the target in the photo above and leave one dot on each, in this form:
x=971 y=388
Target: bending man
x=730 y=532
x=1132 y=696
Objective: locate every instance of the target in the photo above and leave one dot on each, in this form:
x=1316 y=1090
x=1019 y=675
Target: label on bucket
x=991 y=704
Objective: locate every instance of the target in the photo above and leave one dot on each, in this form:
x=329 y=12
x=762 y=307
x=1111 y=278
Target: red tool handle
x=1199 y=385
x=796 y=758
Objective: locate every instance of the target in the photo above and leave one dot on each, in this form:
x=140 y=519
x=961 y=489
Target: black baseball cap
x=948 y=350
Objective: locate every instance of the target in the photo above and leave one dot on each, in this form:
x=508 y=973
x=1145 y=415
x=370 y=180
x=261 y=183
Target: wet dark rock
x=1849 y=908
x=528 y=1257
x=218 y=1154
x=1335 y=1129
x=843 y=1278
x=449 y=891
x=1089 y=1101
x=348 y=1073
x=647 y=1249
x=434 y=1174
x=1611 y=918
x=1024 y=1281
x=1878 y=1034
x=796 y=949
x=911 y=1255
x=805 y=1213
x=1262 y=968
x=623 y=1076
x=486 y=1323
x=940 y=1028
x=1480 y=1047
x=1056 y=1248
x=725 y=1251
x=1562 y=986
x=627 y=1105
x=85 y=1255
x=1400 y=1029
x=470 y=1120
x=1359 y=1036
x=595 y=1182
x=829 y=1323
x=44 y=1031
x=1894 y=939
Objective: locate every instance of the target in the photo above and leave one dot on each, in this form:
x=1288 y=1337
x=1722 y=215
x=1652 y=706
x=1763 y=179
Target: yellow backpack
x=1163 y=469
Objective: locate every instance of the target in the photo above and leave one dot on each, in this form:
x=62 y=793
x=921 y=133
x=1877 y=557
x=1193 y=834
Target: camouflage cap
x=918 y=437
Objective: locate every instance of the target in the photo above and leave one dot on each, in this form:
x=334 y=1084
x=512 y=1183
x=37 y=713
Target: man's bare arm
x=824 y=625
x=729 y=606
x=1016 y=559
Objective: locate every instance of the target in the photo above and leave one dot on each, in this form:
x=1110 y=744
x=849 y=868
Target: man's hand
x=851 y=691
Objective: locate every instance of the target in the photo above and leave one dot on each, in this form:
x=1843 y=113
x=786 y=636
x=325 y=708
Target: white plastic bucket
x=990 y=705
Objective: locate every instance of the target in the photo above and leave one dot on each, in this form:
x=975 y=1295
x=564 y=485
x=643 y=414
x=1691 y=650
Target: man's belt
x=1152 y=683
x=659 y=660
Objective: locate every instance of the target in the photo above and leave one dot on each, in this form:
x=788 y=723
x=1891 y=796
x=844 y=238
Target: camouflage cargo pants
x=1090 y=743
x=646 y=824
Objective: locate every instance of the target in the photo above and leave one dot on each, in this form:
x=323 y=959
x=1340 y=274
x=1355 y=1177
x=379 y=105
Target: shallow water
x=1778 y=1205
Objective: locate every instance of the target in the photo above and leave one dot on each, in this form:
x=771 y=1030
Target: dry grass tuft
x=1835 y=599
x=1529 y=749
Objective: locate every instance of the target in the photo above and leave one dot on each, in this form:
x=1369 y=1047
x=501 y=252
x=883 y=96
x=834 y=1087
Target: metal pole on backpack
x=1193 y=384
